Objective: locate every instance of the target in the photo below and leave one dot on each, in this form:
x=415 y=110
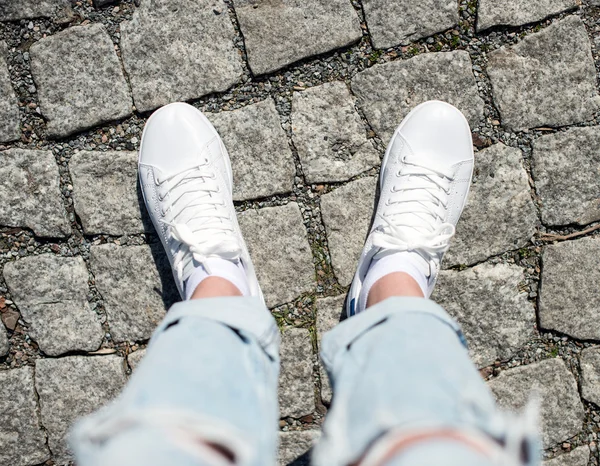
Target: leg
x=405 y=390
x=206 y=392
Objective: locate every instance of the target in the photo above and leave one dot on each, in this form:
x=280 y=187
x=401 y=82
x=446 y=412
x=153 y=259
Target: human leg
x=405 y=391
x=205 y=393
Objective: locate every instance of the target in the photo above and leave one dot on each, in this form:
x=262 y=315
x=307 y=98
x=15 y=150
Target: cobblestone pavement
x=306 y=94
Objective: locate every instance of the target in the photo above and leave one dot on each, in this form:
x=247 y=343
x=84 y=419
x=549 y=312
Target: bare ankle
x=394 y=284
x=215 y=287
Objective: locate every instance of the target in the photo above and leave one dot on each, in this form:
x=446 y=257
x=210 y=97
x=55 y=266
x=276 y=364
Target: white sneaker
x=186 y=179
x=424 y=182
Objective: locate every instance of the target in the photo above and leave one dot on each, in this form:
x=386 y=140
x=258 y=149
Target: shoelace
x=198 y=218
x=412 y=213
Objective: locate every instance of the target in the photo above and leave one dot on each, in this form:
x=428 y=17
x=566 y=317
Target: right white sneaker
x=186 y=179
x=424 y=182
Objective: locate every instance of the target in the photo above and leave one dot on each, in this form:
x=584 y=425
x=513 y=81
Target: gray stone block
x=295 y=447
x=4 y=347
x=280 y=252
x=495 y=315
x=347 y=213
x=561 y=409
x=73 y=387
x=569 y=298
x=565 y=169
x=134 y=359
x=500 y=215
x=278 y=33
x=329 y=312
x=590 y=374
x=132 y=316
x=330 y=136
x=29 y=193
x=51 y=294
x=547 y=79
x=516 y=13
x=12 y=10
x=105 y=192
x=388 y=92
x=394 y=22
x=578 y=457
x=22 y=440
x=296 y=389
x=261 y=158
x=176 y=50
x=10 y=118
x=79 y=80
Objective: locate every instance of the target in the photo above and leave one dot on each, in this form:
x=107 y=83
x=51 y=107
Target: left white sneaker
x=425 y=178
x=186 y=179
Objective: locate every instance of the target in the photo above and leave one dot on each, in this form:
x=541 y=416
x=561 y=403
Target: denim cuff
x=342 y=336
x=249 y=316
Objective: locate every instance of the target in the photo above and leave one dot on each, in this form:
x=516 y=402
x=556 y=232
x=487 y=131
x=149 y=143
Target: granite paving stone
x=261 y=158
x=22 y=440
x=176 y=50
x=12 y=10
x=10 y=119
x=51 y=294
x=118 y=270
x=295 y=447
x=105 y=192
x=347 y=213
x=547 y=79
x=4 y=347
x=329 y=312
x=388 y=92
x=79 y=80
x=590 y=374
x=280 y=32
x=280 y=252
x=495 y=315
x=72 y=387
x=329 y=135
x=296 y=391
x=578 y=457
x=569 y=300
x=516 y=13
x=133 y=359
x=500 y=215
x=561 y=412
x=565 y=169
x=29 y=193
x=394 y=22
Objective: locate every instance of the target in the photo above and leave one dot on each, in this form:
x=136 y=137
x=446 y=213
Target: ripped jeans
x=405 y=394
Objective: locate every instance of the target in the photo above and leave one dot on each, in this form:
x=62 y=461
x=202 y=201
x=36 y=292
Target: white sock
x=407 y=262
x=229 y=270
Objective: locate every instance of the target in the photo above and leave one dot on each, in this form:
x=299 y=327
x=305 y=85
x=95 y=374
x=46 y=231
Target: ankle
x=394 y=285
x=217 y=277
x=215 y=287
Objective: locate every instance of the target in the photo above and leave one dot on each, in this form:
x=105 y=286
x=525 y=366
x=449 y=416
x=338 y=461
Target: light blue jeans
x=405 y=394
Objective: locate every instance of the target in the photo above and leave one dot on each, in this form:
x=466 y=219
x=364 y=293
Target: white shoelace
x=413 y=212
x=198 y=218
